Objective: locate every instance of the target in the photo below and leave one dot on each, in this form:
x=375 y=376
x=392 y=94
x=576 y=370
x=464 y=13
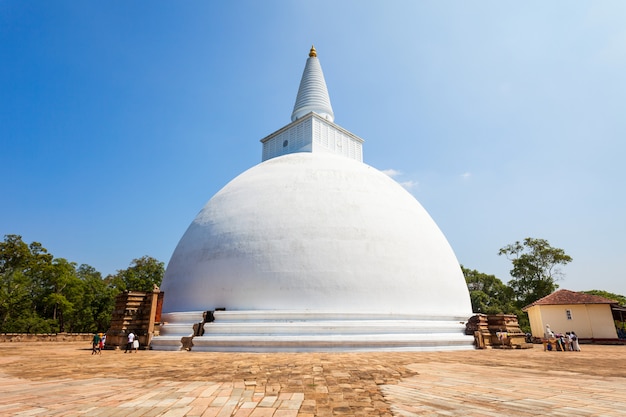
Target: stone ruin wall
x=496 y=331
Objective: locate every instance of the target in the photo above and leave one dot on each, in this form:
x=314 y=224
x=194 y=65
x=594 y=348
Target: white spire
x=312 y=94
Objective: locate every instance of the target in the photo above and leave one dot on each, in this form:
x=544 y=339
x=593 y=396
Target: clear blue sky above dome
x=118 y=120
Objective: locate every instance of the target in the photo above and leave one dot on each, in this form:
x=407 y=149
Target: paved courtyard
x=64 y=379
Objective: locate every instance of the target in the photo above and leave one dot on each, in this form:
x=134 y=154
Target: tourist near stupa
x=313 y=250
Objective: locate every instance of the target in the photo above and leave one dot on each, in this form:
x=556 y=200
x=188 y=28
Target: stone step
x=287 y=315
x=183 y=317
x=326 y=342
x=172 y=343
x=332 y=327
x=176 y=329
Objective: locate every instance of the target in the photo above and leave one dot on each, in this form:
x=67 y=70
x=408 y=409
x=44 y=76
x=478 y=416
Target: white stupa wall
x=320 y=232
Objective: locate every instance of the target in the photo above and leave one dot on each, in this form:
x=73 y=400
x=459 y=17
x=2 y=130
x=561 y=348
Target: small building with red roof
x=590 y=316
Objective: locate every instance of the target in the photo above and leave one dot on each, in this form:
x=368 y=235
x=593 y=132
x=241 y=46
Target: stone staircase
x=134 y=311
x=299 y=331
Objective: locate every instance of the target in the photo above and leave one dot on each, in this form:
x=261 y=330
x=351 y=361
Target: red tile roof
x=570 y=297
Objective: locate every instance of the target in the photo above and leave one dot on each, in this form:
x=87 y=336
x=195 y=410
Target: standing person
x=136 y=344
x=103 y=338
x=575 y=345
x=129 y=345
x=548 y=338
x=95 y=344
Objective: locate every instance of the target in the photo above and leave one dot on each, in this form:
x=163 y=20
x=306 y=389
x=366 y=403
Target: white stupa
x=314 y=250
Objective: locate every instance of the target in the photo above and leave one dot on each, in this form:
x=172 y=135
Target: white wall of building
x=587 y=320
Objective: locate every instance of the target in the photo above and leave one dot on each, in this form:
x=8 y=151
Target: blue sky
x=506 y=120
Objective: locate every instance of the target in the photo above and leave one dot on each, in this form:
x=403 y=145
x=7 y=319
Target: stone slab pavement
x=64 y=379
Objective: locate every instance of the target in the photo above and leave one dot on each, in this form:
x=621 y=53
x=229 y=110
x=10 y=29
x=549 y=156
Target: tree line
x=43 y=294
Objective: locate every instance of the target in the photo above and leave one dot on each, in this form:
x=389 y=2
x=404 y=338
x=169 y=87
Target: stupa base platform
x=305 y=331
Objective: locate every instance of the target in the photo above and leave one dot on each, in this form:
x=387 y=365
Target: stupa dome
x=315 y=232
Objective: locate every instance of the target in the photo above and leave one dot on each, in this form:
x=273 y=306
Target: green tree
x=37 y=269
x=64 y=290
x=93 y=313
x=22 y=277
x=14 y=298
x=611 y=296
x=488 y=294
x=14 y=253
x=142 y=275
x=535 y=269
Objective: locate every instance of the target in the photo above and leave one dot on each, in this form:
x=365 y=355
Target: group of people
x=97 y=343
x=99 y=339
x=132 y=343
x=567 y=341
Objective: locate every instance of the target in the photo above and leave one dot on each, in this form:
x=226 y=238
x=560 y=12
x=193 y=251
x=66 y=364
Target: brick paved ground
x=64 y=379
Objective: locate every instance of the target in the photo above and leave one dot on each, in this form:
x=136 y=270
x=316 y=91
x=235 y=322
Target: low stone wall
x=51 y=337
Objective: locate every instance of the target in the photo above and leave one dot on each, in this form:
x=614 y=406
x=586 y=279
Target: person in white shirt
x=129 y=345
